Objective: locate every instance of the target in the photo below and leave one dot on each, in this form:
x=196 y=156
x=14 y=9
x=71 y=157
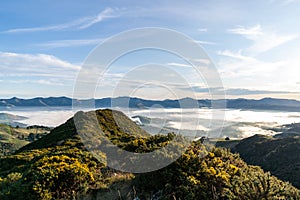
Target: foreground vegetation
x=58 y=166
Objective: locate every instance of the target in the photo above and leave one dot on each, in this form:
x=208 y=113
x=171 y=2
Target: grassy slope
x=280 y=156
x=12 y=138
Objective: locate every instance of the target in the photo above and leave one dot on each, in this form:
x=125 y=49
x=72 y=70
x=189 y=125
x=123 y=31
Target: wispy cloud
x=205 y=42
x=244 y=67
x=236 y=65
x=203 y=62
x=41 y=81
x=37 y=68
x=202 y=30
x=107 y=13
x=39 y=61
x=251 y=33
x=285 y=2
x=70 y=43
x=263 y=40
x=78 y=24
x=244 y=71
x=57 y=27
x=237 y=55
x=243 y=91
x=232 y=91
x=179 y=65
x=290 y=1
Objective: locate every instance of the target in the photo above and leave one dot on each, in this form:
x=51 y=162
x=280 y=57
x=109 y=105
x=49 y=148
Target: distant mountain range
x=261 y=104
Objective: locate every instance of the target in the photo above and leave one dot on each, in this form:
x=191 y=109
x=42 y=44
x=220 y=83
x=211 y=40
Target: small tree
x=31 y=137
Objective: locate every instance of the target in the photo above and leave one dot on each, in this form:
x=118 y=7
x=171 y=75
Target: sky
x=253 y=44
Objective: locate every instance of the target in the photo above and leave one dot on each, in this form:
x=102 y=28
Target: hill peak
x=111 y=122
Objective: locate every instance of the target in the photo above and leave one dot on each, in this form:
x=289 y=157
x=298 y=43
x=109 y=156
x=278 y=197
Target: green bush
x=60 y=177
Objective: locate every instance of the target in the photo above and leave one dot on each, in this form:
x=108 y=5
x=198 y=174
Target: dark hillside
x=281 y=156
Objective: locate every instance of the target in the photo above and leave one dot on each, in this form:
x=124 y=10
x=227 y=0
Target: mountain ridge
x=134 y=102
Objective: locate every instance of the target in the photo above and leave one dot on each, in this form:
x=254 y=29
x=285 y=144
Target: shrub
x=60 y=177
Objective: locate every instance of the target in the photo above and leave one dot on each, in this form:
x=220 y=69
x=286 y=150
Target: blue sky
x=254 y=44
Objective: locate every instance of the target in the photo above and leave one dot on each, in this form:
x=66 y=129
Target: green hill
x=280 y=156
x=58 y=166
x=288 y=130
x=13 y=138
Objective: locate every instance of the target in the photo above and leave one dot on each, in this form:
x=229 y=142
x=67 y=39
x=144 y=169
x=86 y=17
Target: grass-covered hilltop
x=59 y=165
